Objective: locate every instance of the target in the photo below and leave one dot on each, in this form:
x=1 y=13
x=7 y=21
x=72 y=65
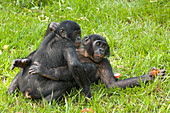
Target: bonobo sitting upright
x=56 y=50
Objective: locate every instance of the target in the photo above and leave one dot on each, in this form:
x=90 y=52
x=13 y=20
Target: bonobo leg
x=49 y=89
x=14 y=84
x=22 y=63
x=58 y=94
x=51 y=27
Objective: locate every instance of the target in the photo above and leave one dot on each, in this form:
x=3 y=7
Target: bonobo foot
x=22 y=63
x=153 y=73
x=53 y=26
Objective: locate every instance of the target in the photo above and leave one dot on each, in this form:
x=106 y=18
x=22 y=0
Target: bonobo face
x=96 y=47
x=100 y=47
x=73 y=31
x=77 y=35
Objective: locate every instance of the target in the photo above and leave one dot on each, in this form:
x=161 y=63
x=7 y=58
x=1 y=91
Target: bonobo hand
x=37 y=69
x=153 y=73
x=22 y=63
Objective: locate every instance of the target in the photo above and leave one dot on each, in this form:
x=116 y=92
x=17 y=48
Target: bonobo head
x=72 y=31
x=96 y=47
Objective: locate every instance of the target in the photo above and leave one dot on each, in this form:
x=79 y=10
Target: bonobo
x=56 y=50
x=98 y=68
x=94 y=51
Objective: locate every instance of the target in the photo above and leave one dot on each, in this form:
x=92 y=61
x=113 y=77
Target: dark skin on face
x=52 y=54
x=98 y=68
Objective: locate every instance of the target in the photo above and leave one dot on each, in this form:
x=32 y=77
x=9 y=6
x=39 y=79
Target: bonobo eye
x=86 y=39
x=98 y=43
x=104 y=46
x=77 y=33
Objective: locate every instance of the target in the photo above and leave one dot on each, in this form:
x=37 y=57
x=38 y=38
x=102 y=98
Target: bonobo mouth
x=77 y=44
x=98 y=57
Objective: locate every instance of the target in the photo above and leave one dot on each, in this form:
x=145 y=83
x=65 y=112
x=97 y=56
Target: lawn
x=137 y=31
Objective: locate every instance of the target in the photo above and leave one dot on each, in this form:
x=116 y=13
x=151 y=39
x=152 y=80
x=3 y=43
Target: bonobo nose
x=101 y=51
x=78 y=38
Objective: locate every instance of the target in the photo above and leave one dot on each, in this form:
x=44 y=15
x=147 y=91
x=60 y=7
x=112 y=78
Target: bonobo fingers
x=161 y=72
x=156 y=72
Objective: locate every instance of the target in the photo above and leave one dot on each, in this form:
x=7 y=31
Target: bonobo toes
x=36 y=68
x=22 y=63
x=53 y=25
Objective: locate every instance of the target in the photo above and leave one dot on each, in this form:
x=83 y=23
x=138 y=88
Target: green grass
x=138 y=33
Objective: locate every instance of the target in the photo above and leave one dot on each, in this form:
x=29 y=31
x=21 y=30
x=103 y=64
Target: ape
x=52 y=54
x=95 y=48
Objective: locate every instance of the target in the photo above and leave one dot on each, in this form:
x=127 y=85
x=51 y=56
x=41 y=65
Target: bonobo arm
x=105 y=72
x=22 y=63
x=110 y=81
x=59 y=73
x=76 y=68
x=46 y=40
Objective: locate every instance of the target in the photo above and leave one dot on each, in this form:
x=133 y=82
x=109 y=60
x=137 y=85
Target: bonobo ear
x=86 y=40
x=62 y=32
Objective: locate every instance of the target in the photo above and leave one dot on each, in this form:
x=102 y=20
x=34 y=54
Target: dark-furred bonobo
x=56 y=50
x=98 y=68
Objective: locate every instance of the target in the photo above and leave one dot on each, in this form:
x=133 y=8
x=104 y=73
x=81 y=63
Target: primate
x=98 y=68
x=56 y=50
